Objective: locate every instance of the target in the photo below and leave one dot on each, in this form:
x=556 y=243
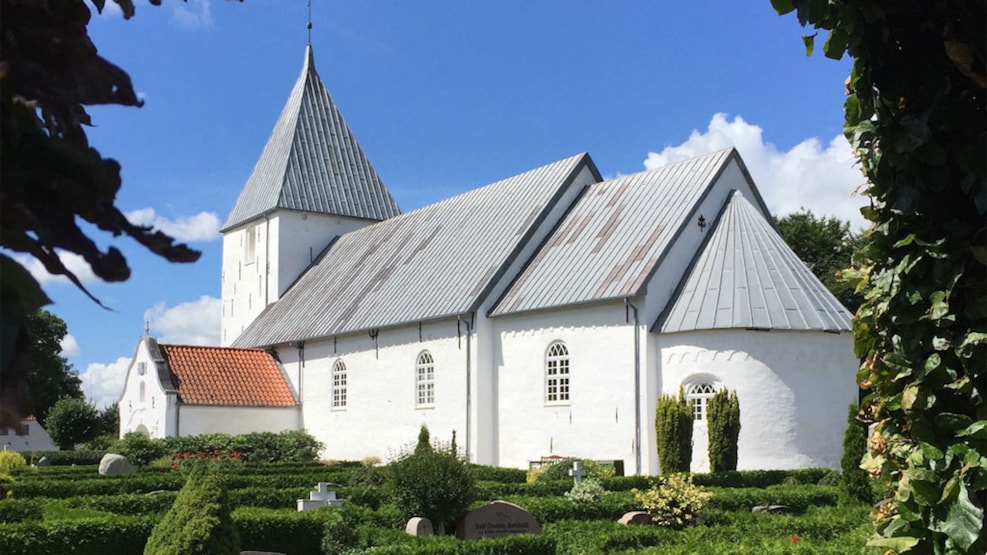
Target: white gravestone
x=577 y=472
x=320 y=497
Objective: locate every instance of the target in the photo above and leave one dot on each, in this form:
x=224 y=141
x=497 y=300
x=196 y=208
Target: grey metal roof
x=747 y=277
x=610 y=242
x=437 y=261
x=312 y=162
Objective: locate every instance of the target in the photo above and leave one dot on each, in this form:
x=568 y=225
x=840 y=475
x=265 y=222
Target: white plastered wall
x=285 y=244
x=793 y=386
x=598 y=421
x=211 y=419
x=153 y=412
x=661 y=287
x=381 y=415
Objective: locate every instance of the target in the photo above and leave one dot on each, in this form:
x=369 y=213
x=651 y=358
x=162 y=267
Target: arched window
x=557 y=373
x=699 y=394
x=425 y=380
x=339 y=385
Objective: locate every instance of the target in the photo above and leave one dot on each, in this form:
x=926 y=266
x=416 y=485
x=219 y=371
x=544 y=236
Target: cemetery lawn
x=73 y=510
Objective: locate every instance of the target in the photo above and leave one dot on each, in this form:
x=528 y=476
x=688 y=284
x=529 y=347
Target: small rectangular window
x=250 y=245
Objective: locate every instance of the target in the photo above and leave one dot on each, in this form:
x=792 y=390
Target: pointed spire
x=312 y=162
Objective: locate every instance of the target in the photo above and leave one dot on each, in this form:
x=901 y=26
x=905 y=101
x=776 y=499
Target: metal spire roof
x=747 y=277
x=312 y=162
x=440 y=260
x=610 y=243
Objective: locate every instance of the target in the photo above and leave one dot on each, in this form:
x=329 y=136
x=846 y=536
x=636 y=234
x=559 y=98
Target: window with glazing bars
x=699 y=395
x=425 y=380
x=339 y=385
x=557 y=374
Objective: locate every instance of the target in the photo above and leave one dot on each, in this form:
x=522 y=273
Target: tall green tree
x=854 y=481
x=51 y=178
x=673 y=429
x=826 y=245
x=916 y=118
x=50 y=376
x=109 y=419
x=723 y=418
x=72 y=421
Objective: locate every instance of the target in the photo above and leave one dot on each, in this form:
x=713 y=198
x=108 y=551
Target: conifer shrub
x=432 y=481
x=199 y=522
x=675 y=502
x=855 y=484
x=673 y=427
x=723 y=419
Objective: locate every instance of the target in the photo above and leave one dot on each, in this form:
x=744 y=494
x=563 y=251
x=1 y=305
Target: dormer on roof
x=312 y=163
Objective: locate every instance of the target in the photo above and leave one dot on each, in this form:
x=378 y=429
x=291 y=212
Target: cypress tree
x=854 y=482
x=723 y=417
x=673 y=428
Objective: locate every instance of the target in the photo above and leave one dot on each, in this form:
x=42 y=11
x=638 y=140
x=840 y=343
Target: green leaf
x=899 y=545
x=782 y=6
x=964 y=521
x=977 y=430
x=836 y=44
x=810 y=42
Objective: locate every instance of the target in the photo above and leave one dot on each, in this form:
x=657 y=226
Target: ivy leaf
x=963 y=522
x=836 y=44
x=977 y=430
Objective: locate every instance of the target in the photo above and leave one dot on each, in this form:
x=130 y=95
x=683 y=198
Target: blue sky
x=444 y=96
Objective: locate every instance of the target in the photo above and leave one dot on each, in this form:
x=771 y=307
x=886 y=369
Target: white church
x=543 y=314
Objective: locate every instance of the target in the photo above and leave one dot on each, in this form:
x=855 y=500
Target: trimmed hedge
x=759 y=478
x=526 y=544
x=85 y=536
x=797 y=498
x=282 y=531
x=65 y=458
x=18 y=510
x=498 y=474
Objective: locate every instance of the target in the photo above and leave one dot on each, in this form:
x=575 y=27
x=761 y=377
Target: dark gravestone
x=496 y=520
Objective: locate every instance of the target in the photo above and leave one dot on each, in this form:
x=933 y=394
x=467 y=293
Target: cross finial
x=309 y=25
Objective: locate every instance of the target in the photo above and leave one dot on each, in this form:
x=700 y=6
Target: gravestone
x=44 y=462
x=320 y=497
x=496 y=520
x=577 y=472
x=113 y=465
x=636 y=518
x=771 y=509
x=419 y=526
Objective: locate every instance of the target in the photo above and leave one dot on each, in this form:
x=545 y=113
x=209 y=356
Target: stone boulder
x=114 y=465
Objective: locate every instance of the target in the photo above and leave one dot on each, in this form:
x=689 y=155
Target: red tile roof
x=227 y=376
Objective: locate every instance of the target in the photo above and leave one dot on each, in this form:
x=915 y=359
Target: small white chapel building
x=543 y=314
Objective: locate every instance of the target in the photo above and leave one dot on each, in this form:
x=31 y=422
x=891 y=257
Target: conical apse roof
x=312 y=162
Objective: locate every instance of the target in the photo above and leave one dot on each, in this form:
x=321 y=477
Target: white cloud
x=70 y=347
x=204 y=226
x=821 y=178
x=75 y=263
x=103 y=383
x=191 y=323
x=193 y=13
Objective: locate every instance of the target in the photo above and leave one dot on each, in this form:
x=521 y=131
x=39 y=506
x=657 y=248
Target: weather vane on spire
x=309 y=25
